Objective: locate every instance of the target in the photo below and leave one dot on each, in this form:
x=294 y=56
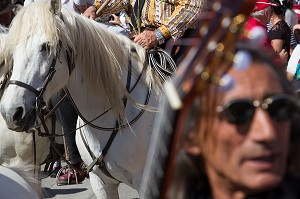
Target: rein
x=100 y=160
x=41 y=105
x=119 y=126
x=161 y=62
x=161 y=69
x=90 y=122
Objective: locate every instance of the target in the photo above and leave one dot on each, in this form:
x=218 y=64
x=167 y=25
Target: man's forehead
x=257 y=81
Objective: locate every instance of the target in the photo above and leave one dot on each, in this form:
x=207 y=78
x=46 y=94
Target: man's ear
x=191 y=143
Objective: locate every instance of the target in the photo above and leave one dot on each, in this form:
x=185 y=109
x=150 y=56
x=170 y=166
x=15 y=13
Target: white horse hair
x=3 y=33
x=98 y=82
x=85 y=38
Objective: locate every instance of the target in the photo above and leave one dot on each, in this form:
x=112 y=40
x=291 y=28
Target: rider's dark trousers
x=67 y=117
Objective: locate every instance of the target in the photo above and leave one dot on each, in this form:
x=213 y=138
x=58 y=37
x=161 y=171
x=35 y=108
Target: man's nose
x=262 y=127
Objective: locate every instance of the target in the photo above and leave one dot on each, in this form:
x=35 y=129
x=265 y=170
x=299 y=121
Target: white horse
x=16 y=183
x=19 y=149
x=107 y=75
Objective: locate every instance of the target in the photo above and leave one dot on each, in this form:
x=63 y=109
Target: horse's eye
x=45 y=47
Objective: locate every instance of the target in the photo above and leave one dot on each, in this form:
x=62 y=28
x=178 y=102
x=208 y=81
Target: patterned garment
x=293 y=39
x=113 y=7
x=281 y=30
x=171 y=17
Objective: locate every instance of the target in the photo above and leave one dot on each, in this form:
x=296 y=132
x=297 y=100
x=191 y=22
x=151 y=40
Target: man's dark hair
x=279 y=9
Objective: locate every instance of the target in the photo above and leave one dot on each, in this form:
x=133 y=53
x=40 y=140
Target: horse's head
x=37 y=55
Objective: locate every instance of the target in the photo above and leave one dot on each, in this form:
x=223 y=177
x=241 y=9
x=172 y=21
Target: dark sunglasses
x=280 y=107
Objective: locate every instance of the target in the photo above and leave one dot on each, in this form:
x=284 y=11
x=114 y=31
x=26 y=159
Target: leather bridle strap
x=120 y=126
x=26 y=86
x=37 y=92
x=49 y=77
x=100 y=160
x=40 y=104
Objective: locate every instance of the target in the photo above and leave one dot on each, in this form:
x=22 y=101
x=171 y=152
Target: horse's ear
x=56 y=6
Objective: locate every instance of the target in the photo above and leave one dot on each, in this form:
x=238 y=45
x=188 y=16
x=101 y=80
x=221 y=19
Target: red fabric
x=296 y=8
x=262 y=4
x=251 y=23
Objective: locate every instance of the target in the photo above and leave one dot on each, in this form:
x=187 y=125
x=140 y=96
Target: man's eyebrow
x=266 y=95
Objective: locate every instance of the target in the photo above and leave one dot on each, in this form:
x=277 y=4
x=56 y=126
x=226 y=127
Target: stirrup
x=69 y=171
x=66 y=170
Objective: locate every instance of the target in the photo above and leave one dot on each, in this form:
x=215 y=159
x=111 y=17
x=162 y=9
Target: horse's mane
x=3 y=68
x=89 y=42
x=3 y=33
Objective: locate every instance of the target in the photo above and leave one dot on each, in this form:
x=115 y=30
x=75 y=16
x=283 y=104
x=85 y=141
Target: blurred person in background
x=280 y=32
x=240 y=137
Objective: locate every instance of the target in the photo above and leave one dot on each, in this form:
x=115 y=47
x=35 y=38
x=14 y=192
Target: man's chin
x=264 y=182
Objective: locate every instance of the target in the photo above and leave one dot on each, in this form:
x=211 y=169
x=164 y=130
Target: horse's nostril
x=18 y=114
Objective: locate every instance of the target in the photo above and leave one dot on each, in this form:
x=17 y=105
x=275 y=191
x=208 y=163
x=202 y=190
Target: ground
x=79 y=191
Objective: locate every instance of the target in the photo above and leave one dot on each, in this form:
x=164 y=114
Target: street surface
x=79 y=191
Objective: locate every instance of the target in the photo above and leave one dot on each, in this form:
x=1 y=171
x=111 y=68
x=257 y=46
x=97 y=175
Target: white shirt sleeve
x=83 y=2
x=293 y=61
x=80 y=2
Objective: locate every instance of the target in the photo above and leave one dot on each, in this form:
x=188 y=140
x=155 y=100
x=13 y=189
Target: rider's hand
x=147 y=39
x=90 y=12
x=115 y=20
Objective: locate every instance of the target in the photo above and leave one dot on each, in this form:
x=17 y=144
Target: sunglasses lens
x=281 y=109
x=239 y=112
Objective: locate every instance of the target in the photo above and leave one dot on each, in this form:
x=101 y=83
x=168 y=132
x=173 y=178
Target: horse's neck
x=85 y=97
x=98 y=75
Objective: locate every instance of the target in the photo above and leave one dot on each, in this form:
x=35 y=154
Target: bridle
x=41 y=108
x=40 y=103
